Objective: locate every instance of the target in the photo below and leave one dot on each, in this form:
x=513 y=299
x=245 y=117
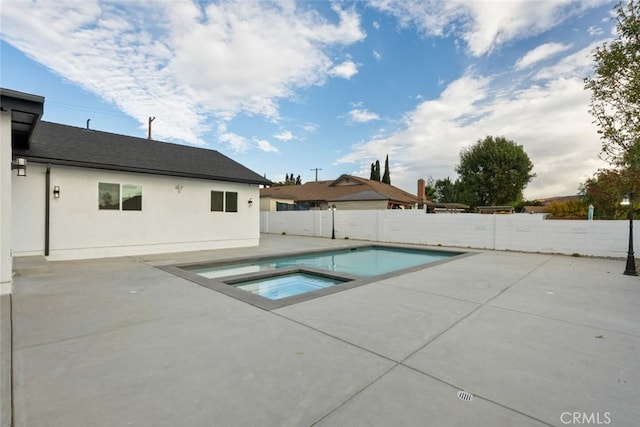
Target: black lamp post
x=333 y=222
x=630 y=270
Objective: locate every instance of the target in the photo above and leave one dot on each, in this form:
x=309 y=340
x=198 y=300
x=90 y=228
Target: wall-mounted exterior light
x=21 y=165
x=56 y=191
x=250 y=202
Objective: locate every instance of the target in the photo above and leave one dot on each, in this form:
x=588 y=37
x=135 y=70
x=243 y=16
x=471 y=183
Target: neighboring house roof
x=450 y=206
x=362 y=196
x=345 y=188
x=67 y=145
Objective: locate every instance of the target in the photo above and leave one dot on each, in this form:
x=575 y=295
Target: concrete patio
x=536 y=339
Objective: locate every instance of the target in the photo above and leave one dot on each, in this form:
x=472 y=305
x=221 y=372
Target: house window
x=108 y=196
x=217 y=201
x=231 y=201
x=224 y=201
x=112 y=196
x=131 y=197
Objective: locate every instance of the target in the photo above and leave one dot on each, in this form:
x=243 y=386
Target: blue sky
x=287 y=87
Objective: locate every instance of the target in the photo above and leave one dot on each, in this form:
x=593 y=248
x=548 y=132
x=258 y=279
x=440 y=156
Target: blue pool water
x=354 y=262
x=287 y=285
x=367 y=261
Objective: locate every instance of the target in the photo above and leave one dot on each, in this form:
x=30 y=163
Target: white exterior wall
x=519 y=232
x=5 y=202
x=170 y=220
x=27 y=233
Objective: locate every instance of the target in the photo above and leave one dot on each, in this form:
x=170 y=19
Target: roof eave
x=119 y=168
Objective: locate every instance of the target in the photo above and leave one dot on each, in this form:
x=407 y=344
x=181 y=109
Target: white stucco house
x=89 y=194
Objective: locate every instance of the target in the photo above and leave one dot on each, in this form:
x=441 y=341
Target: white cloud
x=236 y=142
x=376 y=25
x=346 y=70
x=358 y=115
x=377 y=55
x=266 y=146
x=595 y=31
x=285 y=135
x=483 y=25
x=184 y=62
x=540 y=53
x=549 y=120
x=310 y=127
x=576 y=65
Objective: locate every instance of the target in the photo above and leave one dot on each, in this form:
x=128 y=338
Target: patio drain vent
x=464 y=395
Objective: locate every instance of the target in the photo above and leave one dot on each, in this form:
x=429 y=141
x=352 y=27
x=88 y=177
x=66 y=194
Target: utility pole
x=150 y=120
x=316 y=169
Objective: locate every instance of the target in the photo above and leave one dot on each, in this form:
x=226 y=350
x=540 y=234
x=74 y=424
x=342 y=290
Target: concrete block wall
x=519 y=232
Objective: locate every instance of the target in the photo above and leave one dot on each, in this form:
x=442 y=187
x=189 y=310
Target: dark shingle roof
x=67 y=145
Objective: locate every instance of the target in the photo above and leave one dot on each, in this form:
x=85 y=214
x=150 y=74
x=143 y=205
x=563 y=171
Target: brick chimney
x=421 y=186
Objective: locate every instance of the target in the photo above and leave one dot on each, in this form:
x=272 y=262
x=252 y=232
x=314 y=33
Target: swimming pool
x=276 y=281
x=364 y=261
x=287 y=285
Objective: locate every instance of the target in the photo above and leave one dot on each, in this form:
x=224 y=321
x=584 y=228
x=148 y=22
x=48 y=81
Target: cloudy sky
x=291 y=86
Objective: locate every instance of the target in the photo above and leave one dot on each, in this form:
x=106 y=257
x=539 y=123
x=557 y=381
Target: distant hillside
x=559 y=199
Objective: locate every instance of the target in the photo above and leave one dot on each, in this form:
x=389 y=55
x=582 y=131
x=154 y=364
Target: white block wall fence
x=518 y=232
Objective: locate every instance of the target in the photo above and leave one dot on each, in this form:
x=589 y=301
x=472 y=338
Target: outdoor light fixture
x=21 y=165
x=250 y=202
x=630 y=270
x=56 y=191
x=333 y=222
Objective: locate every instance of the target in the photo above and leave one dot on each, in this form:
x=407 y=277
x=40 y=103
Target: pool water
x=366 y=262
x=287 y=285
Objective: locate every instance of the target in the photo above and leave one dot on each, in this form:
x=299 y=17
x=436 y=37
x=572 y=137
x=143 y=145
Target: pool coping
x=225 y=286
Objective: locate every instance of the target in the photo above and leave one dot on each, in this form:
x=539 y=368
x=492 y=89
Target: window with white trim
x=224 y=201
x=113 y=196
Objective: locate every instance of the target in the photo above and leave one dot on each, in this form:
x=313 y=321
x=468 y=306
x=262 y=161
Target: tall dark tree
x=494 y=171
x=386 y=178
x=615 y=89
x=298 y=180
x=376 y=174
x=372 y=175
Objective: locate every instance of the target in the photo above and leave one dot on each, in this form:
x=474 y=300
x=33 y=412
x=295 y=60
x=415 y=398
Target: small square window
x=217 y=201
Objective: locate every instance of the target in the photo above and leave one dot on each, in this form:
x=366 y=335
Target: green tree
x=615 y=89
x=430 y=189
x=447 y=191
x=605 y=191
x=372 y=175
x=568 y=209
x=386 y=178
x=289 y=180
x=494 y=171
x=376 y=171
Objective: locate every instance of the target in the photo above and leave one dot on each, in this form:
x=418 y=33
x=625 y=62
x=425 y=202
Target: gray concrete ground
x=537 y=339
